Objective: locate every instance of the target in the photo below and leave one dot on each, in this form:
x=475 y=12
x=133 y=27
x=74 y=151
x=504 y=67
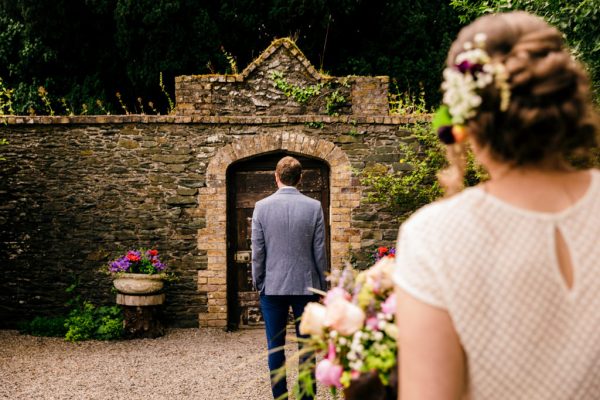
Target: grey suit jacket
x=288 y=244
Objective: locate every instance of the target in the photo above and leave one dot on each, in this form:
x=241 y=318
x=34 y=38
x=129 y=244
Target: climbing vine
x=298 y=93
x=333 y=101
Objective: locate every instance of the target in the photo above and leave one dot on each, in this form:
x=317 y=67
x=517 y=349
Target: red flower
x=153 y=252
x=382 y=250
x=132 y=257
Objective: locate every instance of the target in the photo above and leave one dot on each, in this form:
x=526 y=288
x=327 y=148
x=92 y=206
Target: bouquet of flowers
x=355 y=328
x=140 y=261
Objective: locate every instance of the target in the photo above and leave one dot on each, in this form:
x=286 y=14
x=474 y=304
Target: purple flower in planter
x=158 y=265
x=120 y=265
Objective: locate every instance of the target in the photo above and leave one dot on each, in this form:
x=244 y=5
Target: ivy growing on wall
x=333 y=101
x=298 y=93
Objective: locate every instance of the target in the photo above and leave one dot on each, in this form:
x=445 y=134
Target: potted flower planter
x=139 y=279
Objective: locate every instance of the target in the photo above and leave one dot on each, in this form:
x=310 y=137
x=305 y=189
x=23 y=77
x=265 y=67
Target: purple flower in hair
x=468 y=66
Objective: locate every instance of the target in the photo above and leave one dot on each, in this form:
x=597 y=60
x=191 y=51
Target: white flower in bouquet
x=313 y=319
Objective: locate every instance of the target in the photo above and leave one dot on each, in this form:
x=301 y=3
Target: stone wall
x=74 y=192
x=77 y=191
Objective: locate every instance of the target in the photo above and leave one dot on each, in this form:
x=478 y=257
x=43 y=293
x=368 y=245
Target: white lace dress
x=494 y=268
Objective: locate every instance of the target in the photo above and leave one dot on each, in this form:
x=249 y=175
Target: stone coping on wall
x=211 y=119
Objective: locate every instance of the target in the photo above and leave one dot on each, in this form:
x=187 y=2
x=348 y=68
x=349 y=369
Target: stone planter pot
x=141 y=299
x=138 y=284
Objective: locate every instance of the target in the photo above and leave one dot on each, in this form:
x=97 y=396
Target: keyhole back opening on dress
x=563 y=256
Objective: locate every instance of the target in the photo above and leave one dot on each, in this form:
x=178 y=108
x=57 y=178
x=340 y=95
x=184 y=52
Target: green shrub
x=80 y=323
x=45 y=326
x=110 y=324
x=90 y=322
x=404 y=192
x=577 y=20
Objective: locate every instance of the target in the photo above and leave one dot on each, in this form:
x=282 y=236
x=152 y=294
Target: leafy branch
x=6 y=99
x=3 y=142
x=406 y=191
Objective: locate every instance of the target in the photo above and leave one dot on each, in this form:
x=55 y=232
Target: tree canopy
x=83 y=52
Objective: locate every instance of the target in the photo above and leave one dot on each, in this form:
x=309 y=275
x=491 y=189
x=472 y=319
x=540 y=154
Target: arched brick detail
x=344 y=198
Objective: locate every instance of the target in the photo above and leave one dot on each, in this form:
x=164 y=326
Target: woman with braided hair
x=499 y=284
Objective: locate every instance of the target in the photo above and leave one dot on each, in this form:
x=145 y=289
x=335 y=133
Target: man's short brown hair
x=289 y=171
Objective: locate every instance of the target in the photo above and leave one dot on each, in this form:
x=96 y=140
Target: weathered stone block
x=181 y=200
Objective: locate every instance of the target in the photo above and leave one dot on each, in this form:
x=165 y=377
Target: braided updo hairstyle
x=550 y=112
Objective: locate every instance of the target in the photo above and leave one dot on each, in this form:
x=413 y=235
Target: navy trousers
x=275 y=313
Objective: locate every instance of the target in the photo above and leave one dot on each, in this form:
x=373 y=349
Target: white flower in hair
x=472 y=72
x=459 y=95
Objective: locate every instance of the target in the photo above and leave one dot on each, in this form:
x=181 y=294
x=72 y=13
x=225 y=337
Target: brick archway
x=345 y=196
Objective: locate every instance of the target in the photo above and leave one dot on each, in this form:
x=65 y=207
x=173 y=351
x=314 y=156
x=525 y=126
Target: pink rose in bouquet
x=389 y=305
x=335 y=293
x=327 y=371
x=344 y=317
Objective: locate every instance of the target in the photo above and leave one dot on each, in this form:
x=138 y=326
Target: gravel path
x=184 y=364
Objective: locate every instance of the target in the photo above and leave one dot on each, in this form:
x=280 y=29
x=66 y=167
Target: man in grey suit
x=288 y=258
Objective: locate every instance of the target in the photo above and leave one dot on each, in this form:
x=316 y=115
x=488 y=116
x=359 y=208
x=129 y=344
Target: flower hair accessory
x=472 y=71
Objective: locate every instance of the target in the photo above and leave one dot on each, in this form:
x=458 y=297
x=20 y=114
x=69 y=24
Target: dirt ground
x=184 y=364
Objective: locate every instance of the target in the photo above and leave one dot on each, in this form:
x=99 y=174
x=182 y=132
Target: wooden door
x=248 y=182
